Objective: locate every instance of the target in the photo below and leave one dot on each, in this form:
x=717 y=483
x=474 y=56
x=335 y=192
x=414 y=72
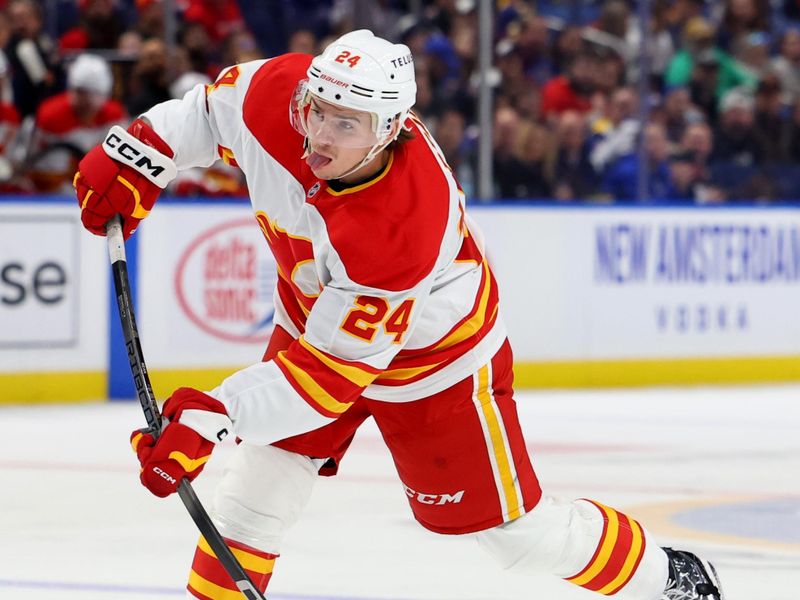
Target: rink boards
x=592 y=295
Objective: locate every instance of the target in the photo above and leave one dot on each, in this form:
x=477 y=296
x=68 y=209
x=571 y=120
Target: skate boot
x=691 y=578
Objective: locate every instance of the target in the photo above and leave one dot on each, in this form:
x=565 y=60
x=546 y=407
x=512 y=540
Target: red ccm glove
x=123 y=176
x=196 y=422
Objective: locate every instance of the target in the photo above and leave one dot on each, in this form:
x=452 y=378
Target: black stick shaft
x=144 y=391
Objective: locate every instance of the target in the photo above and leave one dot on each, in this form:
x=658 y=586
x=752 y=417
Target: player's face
x=339 y=138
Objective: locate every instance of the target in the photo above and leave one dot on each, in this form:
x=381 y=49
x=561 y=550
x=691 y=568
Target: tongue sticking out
x=315 y=161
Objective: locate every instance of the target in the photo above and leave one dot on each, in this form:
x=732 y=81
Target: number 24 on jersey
x=370 y=314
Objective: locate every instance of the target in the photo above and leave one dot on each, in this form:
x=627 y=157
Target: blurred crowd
x=701 y=104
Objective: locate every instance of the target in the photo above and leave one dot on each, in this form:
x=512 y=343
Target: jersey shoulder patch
x=389 y=232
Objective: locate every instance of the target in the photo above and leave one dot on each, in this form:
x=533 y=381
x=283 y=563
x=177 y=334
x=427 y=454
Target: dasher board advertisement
x=206 y=283
x=606 y=283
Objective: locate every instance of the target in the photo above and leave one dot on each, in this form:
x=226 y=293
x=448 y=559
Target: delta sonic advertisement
x=585 y=287
x=206 y=280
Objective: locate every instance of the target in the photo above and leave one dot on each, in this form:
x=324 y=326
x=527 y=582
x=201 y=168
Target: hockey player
x=385 y=307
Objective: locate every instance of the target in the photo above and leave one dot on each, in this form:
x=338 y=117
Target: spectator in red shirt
x=71 y=123
x=571 y=91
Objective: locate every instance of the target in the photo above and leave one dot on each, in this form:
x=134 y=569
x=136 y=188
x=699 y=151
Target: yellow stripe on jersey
x=498 y=445
x=212 y=590
x=637 y=540
x=406 y=373
x=599 y=563
x=248 y=560
x=356 y=375
x=476 y=321
x=311 y=388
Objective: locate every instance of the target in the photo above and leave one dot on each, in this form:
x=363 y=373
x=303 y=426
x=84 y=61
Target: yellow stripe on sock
x=607 y=548
x=630 y=562
x=212 y=590
x=250 y=561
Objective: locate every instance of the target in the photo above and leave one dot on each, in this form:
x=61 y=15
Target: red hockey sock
x=208 y=579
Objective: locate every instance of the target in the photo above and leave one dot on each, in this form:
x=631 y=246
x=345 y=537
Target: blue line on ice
x=141 y=589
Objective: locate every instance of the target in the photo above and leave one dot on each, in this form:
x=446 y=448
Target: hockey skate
x=691 y=578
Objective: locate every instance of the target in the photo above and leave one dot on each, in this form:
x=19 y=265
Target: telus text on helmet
x=403 y=60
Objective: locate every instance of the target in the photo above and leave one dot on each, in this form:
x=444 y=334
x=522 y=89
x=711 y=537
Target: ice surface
x=716 y=470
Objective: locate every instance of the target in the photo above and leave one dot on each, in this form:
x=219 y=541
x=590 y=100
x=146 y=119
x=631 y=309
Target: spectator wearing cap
x=31 y=56
x=737 y=141
x=71 y=123
x=699 y=50
x=444 y=66
x=99 y=27
x=787 y=65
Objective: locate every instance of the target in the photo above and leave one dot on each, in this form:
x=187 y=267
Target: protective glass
x=326 y=123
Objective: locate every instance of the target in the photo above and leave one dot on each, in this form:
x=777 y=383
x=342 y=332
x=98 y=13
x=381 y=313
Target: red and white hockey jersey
x=384 y=288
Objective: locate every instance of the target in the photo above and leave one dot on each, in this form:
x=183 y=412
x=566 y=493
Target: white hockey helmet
x=361 y=72
x=91 y=73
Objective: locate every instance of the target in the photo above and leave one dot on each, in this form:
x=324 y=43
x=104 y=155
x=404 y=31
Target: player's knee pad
x=262 y=493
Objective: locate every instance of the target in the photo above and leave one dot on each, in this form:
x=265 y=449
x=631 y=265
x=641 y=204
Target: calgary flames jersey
x=382 y=285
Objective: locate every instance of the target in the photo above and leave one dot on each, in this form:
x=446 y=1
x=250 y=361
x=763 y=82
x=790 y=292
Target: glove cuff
x=129 y=150
x=213 y=426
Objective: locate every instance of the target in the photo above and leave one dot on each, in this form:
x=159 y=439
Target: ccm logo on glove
x=123 y=176
x=164 y=475
x=125 y=148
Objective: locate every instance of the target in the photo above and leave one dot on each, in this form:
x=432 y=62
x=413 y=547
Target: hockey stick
x=116 y=252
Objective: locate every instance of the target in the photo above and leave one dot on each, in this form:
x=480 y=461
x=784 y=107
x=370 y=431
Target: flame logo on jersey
x=295 y=258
